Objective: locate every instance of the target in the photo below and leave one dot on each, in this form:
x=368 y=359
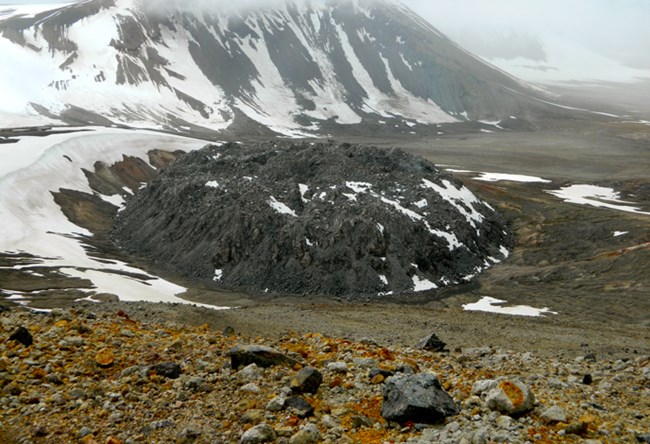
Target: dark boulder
x=23 y=336
x=167 y=369
x=243 y=355
x=432 y=343
x=306 y=380
x=299 y=406
x=416 y=398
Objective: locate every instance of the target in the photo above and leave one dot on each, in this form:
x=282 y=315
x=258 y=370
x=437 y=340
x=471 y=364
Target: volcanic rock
x=23 y=336
x=306 y=380
x=510 y=397
x=243 y=355
x=299 y=406
x=169 y=370
x=432 y=343
x=300 y=218
x=258 y=435
x=416 y=398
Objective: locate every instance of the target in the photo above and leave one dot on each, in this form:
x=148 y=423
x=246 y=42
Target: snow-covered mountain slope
x=294 y=67
x=547 y=57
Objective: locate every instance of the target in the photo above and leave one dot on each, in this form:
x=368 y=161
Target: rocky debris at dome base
x=54 y=391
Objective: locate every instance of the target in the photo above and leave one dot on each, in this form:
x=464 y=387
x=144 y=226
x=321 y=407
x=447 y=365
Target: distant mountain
x=306 y=66
x=548 y=57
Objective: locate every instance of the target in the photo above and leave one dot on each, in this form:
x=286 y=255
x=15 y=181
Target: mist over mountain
x=292 y=67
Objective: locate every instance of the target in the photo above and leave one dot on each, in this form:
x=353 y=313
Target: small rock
x=510 y=397
x=250 y=373
x=259 y=434
x=643 y=438
x=481 y=436
x=554 y=414
x=85 y=431
x=379 y=371
x=254 y=416
x=504 y=422
x=188 y=435
x=359 y=421
x=22 y=336
x=309 y=435
x=417 y=398
x=377 y=379
x=432 y=343
x=169 y=370
x=250 y=388
x=587 y=379
x=299 y=406
x=105 y=357
x=276 y=404
x=263 y=356
x=306 y=380
x=73 y=341
x=337 y=367
x=329 y=421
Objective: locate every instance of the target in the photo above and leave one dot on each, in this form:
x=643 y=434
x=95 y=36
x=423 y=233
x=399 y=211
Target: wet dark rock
x=306 y=380
x=300 y=218
x=23 y=336
x=432 y=343
x=167 y=369
x=243 y=355
x=416 y=398
x=299 y=406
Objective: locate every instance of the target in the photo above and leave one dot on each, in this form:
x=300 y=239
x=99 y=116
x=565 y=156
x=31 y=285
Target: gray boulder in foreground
x=418 y=398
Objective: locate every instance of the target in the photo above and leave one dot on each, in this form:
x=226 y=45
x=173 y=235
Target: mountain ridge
x=294 y=68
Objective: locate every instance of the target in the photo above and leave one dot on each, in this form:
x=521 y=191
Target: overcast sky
x=617 y=28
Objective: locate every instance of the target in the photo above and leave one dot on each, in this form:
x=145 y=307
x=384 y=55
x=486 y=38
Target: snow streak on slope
x=34 y=224
x=292 y=67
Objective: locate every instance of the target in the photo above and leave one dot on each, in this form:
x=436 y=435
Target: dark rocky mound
x=312 y=218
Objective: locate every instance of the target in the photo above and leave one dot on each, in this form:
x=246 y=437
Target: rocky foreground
x=79 y=376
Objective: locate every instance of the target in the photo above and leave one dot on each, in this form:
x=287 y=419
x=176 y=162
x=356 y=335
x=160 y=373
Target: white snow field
x=596 y=196
x=492 y=305
x=32 y=222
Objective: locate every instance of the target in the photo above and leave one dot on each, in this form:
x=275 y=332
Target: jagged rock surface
x=312 y=218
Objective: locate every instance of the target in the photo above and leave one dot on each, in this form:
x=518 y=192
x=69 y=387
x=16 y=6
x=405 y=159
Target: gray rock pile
x=312 y=218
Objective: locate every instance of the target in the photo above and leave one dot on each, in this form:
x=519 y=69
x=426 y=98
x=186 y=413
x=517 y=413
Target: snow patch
x=281 y=208
x=493 y=305
x=595 y=196
x=497 y=177
x=358 y=187
x=422 y=284
x=212 y=184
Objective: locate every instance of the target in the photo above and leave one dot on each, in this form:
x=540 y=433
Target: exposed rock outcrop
x=317 y=218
